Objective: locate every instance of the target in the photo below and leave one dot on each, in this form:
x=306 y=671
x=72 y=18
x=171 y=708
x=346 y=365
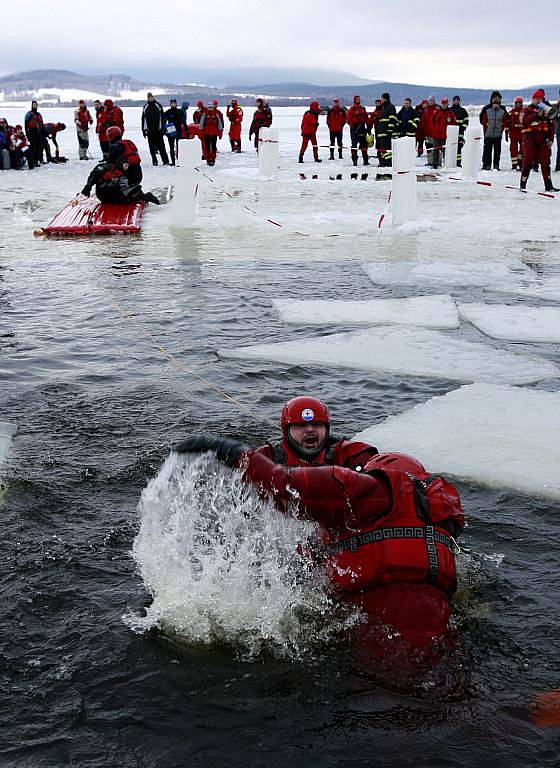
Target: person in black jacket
x=153 y=129
x=174 y=119
x=408 y=119
x=462 y=118
x=387 y=128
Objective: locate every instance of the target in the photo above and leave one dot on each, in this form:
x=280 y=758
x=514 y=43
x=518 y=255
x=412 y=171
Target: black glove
x=228 y=451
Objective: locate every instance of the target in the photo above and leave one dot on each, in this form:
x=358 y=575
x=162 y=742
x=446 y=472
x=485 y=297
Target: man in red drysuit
x=336 y=120
x=309 y=125
x=538 y=135
x=262 y=118
x=234 y=114
x=442 y=117
x=358 y=120
x=212 y=126
x=514 y=133
x=386 y=535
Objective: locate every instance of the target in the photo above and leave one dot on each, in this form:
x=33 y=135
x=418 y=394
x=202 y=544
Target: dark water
x=97 y=409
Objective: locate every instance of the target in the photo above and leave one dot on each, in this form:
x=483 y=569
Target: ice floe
x=440 y=273
x=7 y=431
x=496 y=435
x=514 y=323
x=425 y=311
x=407 y=351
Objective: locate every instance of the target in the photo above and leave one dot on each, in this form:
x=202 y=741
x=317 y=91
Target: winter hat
x=108 y=102
x=518 y=99
x=539 y=94
x=82 y=102
x=200 y=103
x=386 y=96
x=445 y=101
x=457 y=97
x=314 y=106
x=356 y=99
x=113 y=132
x=215 y=102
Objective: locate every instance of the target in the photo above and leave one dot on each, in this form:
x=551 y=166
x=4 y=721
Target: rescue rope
x=179 y=365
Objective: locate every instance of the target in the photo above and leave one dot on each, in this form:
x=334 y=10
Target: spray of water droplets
x=223 y=566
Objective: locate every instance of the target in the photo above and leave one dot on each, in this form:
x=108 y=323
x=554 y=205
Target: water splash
x=223 y=566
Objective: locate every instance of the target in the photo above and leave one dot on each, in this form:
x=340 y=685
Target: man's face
x=150 y=97
x=407 y=103
x=310 y=436
x=456 y=102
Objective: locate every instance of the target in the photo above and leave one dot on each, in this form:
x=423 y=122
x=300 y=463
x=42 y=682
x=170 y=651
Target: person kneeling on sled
x=386 y=536
x=111 y=186
x=123 y=153
x=309 y=125
x=307 y=440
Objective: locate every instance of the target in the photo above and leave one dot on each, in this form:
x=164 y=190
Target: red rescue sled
x=90 y=217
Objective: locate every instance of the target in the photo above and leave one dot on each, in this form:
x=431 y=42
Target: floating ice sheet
x=496 y=435
x=538 y=288
x=440 y=273
x=408 y=351
x=514 y=323
x=7 y=431
x=425 y=311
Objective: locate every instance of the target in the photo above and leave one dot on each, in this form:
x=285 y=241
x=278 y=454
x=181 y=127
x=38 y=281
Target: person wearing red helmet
x=538 y=135
x=123 y=153
x=309 y=125
x=306 y=438
x=199 y=111
x=111 y=115
x=234 y=114
x=387 y=536
x=442 y=117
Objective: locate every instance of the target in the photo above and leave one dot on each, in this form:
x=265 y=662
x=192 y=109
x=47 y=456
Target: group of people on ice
x=29 y=144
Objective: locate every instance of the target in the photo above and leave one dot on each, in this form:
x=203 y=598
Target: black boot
x=340 y=154
x=523 y=182
x=318 y=160
x=331 y=155
x=151 y=198
x=300 y=159
x=548 y=186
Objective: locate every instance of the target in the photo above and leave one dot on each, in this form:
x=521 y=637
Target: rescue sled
x=90 y=217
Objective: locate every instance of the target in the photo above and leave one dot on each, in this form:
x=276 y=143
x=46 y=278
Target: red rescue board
x=90 y=217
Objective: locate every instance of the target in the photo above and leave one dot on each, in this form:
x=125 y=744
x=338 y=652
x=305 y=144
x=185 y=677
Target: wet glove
x=228 y=451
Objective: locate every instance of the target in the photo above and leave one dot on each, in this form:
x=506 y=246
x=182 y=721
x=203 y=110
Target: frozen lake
x=98 y=407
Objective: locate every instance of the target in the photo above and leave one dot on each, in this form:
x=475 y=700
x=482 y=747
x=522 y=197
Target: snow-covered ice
x=438 y=273
x=425 y=311
x=547 y=289
x=514 y=323
x=497 y=435
x=407 y=351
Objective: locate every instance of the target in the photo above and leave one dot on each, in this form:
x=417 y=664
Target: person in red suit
x=234 y=114
x=309 y=125
x=538 y=135
x=262 y=118
x=111 y=115
x=385 y=537
x=336 y=120
x=420 y=109
x=306 y=439
x=514 y=132
x=442 y=117
x=358 y=120
x=212 y=126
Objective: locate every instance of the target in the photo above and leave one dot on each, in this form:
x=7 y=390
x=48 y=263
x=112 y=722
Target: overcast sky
x=478 y=43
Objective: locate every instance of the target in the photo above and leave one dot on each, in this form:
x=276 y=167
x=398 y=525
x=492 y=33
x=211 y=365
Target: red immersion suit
x=515 y=130
x=387 y=538
x=309 y=125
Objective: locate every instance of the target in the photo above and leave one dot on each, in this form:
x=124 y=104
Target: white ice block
x=495 y=435
x=404 y=202
x=7 y=431
x=534 y=287
x=472 y=152
x=444 y=273
x=268 y=152
x=404 y=351
x=424 y=311
x=451 y=147
x=187 y=181
x=514 y=323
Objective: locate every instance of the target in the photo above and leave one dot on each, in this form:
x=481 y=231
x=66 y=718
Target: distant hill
x=60 y=86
